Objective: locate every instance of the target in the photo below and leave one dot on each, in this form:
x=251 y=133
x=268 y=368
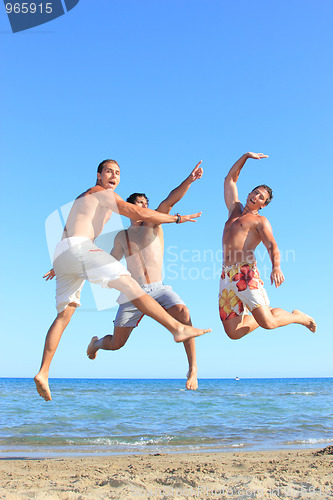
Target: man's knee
x=232 y=334
x=231 y=330
x=67 y=313
x=266 y=323
x=128 y=286
x=182 y=314
x=264 y=318
x=120 y=337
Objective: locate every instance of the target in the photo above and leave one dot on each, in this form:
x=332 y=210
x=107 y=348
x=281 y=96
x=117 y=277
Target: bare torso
x=145 y=252
x=87 y=216
x=240 y=237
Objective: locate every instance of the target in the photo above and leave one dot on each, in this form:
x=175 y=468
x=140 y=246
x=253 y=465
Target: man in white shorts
x=77 y=259
x=142 y=245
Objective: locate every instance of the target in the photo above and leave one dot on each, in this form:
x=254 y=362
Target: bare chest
x=144 y=240
x=238 y=225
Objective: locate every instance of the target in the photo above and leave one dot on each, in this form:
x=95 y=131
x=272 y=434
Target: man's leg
x=109 y=342
x=147 y=305
x=267 y=318
x=273 y=318
x=182 y=314
x=51 y=343
x=236 y=328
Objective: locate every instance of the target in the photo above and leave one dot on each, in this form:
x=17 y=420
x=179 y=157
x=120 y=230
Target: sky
x=159 y=85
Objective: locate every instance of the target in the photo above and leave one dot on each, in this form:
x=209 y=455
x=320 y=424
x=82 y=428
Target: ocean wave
x=298 y=393
x=308 y=441
x=304 y=393
x=138 y=416
x=123 y=441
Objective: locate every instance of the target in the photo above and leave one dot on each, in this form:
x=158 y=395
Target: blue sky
x=158 y=86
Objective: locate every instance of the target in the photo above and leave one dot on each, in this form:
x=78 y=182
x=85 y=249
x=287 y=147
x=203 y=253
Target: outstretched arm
x=113 y=201
x=230 y=182
x=266 y=235
x=176 y=194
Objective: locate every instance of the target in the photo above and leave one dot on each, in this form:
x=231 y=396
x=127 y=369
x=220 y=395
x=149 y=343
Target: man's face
x=110 y=176
x=141 y=201
x=257 y=198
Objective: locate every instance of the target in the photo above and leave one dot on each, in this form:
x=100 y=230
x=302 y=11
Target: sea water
x=89 y=416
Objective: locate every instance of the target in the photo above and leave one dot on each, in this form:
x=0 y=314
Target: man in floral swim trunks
x=241 y=289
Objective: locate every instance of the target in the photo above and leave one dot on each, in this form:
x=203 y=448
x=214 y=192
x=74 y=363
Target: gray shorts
x=129 y=316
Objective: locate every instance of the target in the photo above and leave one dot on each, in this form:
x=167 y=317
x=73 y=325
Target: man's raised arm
x=176 y=194
x=230 y=186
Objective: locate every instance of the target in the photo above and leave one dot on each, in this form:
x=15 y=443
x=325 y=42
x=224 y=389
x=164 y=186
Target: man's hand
x=50 y=275
x=277 y=277
x=189 y=218
x=256 y=156
x=196 y=172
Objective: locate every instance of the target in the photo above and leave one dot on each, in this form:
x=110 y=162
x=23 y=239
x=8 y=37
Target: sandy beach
x=266 y=474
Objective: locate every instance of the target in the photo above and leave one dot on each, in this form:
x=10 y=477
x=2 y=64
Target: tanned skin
x=147 y=243
x=90 y=212
x=243 y=232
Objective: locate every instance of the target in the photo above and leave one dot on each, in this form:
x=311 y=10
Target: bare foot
x=186 y=332
x=42 y=386
x=92 y=348
x=192 y=381
x=306 y=320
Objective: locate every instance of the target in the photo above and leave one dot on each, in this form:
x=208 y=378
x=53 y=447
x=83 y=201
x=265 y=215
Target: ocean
x=96 y=417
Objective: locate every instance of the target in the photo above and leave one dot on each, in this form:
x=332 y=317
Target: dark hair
x=103 y=163
x=269 y=191
x=132 y=198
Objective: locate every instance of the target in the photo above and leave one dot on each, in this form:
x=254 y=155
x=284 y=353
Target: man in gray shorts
x=142 y=245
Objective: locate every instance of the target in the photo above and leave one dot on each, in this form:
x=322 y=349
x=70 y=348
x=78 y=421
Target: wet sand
x=242 y=475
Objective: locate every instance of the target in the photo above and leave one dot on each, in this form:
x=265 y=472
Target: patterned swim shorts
x=241 y=290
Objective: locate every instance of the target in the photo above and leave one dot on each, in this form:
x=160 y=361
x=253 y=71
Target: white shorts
x=77 y=259
x=129 y=316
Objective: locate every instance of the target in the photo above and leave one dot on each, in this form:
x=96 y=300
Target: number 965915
x=29 y=8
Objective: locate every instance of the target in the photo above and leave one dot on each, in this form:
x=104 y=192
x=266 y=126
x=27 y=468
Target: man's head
x=108 y=174
x=259 y=197
x=139 y=199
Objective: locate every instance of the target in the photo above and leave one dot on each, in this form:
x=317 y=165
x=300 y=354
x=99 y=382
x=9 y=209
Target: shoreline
x=35 y=454
x=253 y=474
x=69 y=455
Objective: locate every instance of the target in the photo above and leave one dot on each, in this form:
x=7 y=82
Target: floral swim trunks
x=241 y=290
